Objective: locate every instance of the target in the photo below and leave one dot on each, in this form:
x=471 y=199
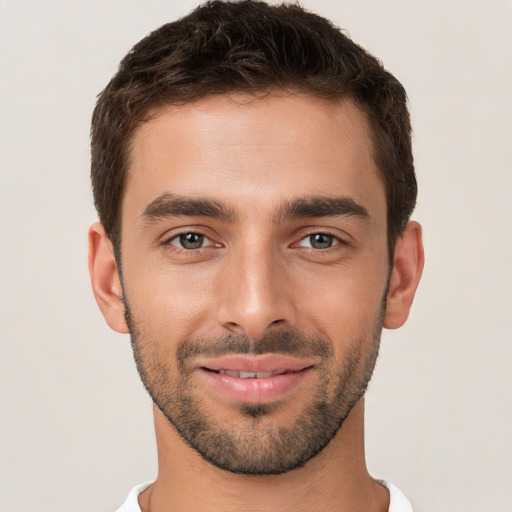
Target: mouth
x=249 y=375
x=256 y=379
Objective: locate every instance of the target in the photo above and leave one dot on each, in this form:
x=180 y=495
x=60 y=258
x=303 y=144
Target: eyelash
x=178 y=236
x=336 y=241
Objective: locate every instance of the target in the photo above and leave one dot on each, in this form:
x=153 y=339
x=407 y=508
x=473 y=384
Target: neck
x=335 y=480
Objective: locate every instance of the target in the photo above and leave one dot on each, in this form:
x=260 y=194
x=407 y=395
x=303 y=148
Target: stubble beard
x=255 y=445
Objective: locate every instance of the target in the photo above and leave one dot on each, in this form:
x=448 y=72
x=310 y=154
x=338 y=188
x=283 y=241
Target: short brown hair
x=249 y=46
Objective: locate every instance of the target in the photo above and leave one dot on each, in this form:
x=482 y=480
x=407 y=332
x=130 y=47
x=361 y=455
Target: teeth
x=249 y=375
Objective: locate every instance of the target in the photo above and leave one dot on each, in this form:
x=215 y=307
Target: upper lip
x=255 y=363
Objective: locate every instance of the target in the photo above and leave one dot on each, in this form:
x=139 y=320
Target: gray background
x=76 y=429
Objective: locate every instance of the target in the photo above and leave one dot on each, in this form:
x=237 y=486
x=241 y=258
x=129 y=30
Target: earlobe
x=405 y=275
x=105 y=280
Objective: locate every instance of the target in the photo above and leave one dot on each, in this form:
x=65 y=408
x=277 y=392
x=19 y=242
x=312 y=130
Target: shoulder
x=397 y=499
x=131 y=504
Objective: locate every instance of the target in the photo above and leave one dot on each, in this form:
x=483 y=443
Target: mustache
x=293 y=343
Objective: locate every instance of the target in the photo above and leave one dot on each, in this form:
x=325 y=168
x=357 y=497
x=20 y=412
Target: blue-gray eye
x=189 y=241
x=319 y=241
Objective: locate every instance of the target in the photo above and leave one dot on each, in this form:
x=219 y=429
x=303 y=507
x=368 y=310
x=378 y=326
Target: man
x=253 y=176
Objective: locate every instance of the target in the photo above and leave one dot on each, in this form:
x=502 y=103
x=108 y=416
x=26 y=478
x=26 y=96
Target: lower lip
x=267 y=389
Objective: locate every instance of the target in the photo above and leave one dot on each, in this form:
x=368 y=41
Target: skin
x=252 y=156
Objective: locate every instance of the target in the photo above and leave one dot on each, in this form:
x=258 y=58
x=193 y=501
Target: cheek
x=348 y=305
x=169 y=302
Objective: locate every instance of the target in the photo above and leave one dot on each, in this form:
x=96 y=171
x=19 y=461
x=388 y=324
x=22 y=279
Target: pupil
x=191 y=241
x=321 y=241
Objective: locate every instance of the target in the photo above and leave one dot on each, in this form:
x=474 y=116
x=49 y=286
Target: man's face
x=255 y=265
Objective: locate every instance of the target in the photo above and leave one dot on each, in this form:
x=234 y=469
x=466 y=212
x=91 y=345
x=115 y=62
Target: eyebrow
x=172 y=205
x=321 y=206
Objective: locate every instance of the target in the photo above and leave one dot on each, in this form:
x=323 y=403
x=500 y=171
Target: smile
x=250 y=375
x=256 y=379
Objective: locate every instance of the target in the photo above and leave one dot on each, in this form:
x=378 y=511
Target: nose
x=256 y=294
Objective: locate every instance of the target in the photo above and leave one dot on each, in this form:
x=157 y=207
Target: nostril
x=280 y=321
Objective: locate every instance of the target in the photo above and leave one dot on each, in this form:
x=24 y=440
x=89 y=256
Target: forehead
x=237 y=147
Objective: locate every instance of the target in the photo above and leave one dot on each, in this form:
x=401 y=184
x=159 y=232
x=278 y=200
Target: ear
x=105 y=280
x=405 y=275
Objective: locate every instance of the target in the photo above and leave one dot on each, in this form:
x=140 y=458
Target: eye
x=190 y=241
x=319 y=241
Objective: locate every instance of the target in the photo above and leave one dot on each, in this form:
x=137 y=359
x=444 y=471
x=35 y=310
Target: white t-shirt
x=397 y=500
